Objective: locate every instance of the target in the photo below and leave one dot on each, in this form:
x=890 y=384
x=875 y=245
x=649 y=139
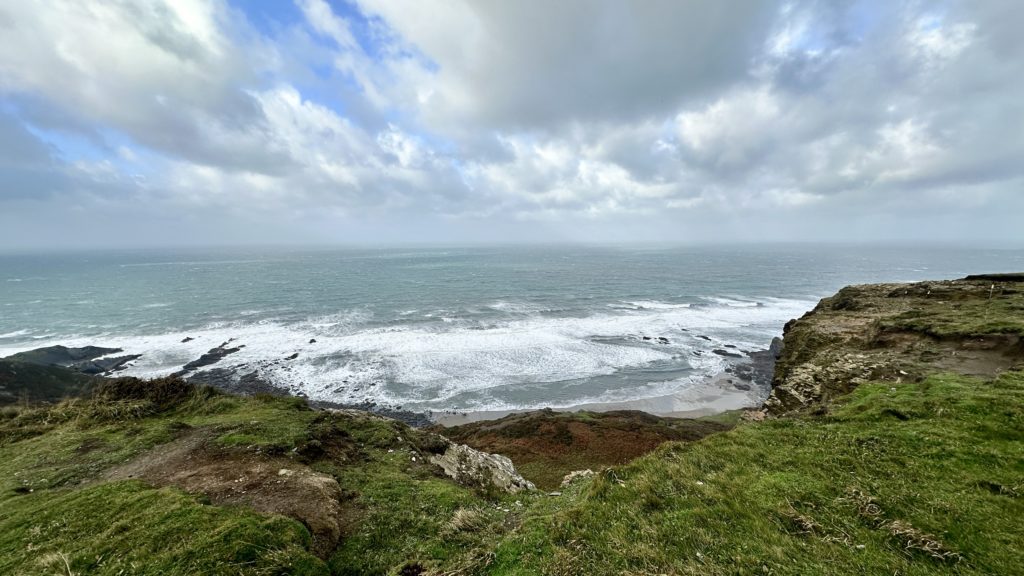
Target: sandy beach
x=716 y=395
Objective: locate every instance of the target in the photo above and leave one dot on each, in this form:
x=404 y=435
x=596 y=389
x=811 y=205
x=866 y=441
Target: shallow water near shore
x=461 y=329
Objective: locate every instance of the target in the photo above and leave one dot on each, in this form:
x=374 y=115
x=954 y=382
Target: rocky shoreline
x=749 y=373
x=781 y=376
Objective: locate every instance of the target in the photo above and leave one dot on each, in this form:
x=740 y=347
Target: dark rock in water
x=662 y=339
x=187 y=339
x=741 y=386
x=726 y=353
x=103 y=365
x=236 y=382
x=211 y=357
x=292 y=357
x=647 y=337
x=312 y=340
x=733 y=346
x=704 y=337
x=761 y=367
x=743 y=371
x=86 y=360
x=61 y=355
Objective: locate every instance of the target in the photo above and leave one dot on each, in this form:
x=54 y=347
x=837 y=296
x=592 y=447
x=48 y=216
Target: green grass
x=897 y=475
x=54 y=505
x=956 y=318
x=407 y=520
x=128 y=528
x=408 y=507
x=54 y=510
x=911 y=478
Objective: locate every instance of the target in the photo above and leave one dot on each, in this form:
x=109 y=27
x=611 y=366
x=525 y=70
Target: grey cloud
x=569 y=120
x=534 y=64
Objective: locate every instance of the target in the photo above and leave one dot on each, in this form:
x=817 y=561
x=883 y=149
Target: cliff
x=892 y=443
x=899 y=332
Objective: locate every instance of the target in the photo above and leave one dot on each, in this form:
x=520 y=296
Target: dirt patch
x=545 y=445
x=268 y=484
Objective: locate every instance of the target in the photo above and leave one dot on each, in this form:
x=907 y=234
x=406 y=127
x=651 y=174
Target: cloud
x=462 y=121
x=537 y=64
x=170 y=75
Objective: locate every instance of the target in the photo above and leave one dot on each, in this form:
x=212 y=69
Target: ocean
x=434 y=329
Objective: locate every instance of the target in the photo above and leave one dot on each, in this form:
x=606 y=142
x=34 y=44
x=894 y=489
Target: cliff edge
x=894 y=446
x=899 y=332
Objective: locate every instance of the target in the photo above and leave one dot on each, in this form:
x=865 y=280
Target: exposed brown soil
x=982 y=356
x=268 y=484
x=545 y=445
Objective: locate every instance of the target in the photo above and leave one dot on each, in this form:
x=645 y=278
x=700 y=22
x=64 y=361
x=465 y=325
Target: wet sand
x=716 y=395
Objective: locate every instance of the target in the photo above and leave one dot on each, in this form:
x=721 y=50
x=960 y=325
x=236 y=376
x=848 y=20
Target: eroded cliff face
x=899 y=333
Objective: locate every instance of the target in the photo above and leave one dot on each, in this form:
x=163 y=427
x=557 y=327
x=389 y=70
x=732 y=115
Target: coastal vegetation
x=893 y=443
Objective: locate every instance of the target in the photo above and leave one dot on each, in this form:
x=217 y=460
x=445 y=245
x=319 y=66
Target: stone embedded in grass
x=576 y=475
x=479 y=469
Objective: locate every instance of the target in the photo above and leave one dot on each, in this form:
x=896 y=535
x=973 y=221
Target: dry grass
x=467 y=520
x=912 y=539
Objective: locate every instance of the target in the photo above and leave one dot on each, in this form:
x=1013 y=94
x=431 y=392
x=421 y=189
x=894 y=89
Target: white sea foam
x=655 y=305
x=15 y=334
x=733 y=302
x=428 y=364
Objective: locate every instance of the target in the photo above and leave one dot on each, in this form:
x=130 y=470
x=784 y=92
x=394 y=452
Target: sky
x=136 y=123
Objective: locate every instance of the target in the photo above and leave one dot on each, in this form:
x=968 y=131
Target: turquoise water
x=466 y=328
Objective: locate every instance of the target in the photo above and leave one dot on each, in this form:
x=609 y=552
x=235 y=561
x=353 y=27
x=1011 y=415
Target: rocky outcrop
x=236 y=382
x=55 y=372
x=898 y=333
x=33 y=383
x=87 y=360
x=478 y=469
x=212 y=356
x=104 y=365
x=61 y=355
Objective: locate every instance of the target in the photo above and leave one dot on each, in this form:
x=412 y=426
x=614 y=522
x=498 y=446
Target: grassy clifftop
x=909 y=478
x=896 y=446
x=899 y=332
x=163 y=477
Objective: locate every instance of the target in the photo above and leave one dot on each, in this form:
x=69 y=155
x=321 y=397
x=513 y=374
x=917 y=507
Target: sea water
x=485 y=328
